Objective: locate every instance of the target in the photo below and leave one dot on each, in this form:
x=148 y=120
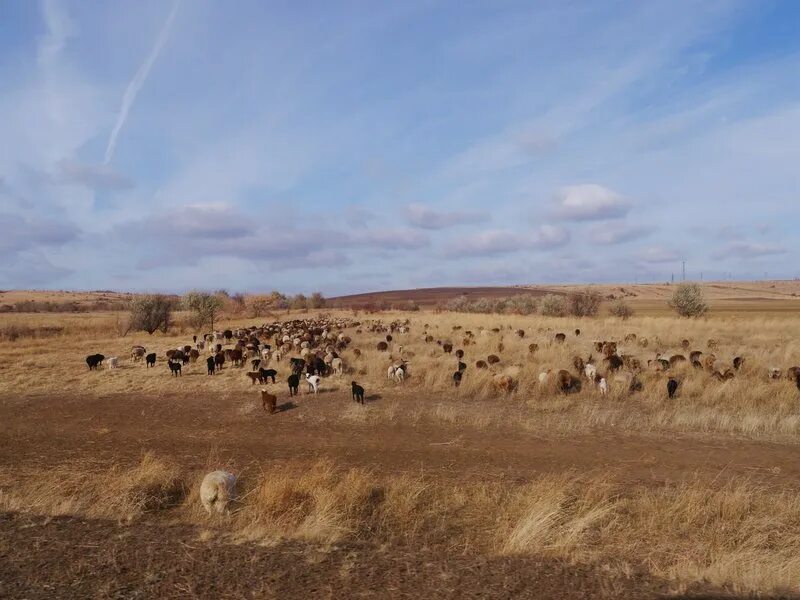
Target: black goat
x=94 y=361
x=175 y=367
x=672 y=387
x=150 y=360
x=294 y=383
x=268 y=374
x=211 y=365
x=358 y=392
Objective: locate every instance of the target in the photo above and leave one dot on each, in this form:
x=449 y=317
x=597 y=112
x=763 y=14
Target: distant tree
x=553 y=305
x=317 y=300
x=620 y=308
x=688 y=300
x=299 y=302
x=204 y=306
x=150 y=313
x=584 y=303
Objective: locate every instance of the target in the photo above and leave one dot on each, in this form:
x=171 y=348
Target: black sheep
x=268 y=374
x=672 y=387
x=457 y=378
x=210 y=365
x=358 y=393
x=94 y=361
x=175 y=367
x=219 y=360
x=150 y=360
x=294 y=383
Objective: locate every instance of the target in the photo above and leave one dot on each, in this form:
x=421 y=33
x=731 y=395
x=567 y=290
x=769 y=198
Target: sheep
x=672 y=387
x=459 y=354
x=567 y=382
x=174 y=367
x=255 y=376
x=382 y=346
x=217 y=491
x=337 y=366
x=504 y=383
x=578 y=363
x=255 y=364
x=358 y=392
x=775 y=373
x=268 y=374
x=614 y=362
x=313 y=382
x=492 y=359
x=294 y=383
x=590 y=371
x=520 y=333
x=193 y=355
x=577 y=332
x=210 y=365
x=137 y=353
x=676 y=358
x=219 y=360
x=150 y=360
x=793 y=373
x=602 y=385
x=447 y=347
x=532 y=348
x=269 y=402
x=560 y=338
x=94 y=361
x=544 y=375
x=397 y=372
x=738 y=362
x=113 y=362
x=481 y=364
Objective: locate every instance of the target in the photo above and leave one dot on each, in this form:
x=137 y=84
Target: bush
x=524 y=304
x=620 y=308
x=553 y=305
x=688 y=300
x=204 y=306
x=299 y=302
x=317 y=300
x=584 y=303
x=149 y=313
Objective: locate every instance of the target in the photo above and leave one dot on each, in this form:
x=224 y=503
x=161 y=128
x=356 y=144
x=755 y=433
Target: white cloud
x=550 y=236
x=590 y=202
x=608 y=234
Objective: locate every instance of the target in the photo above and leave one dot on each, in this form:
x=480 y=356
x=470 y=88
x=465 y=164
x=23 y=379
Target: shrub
x=553 y=305
x=317 y=300
x=299 y=302
x=688 y=300
x=620 y=308
x=149 y=313
x=204 y=306
x=584 y=303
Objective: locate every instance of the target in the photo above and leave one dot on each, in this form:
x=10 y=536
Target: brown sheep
x=560 y=338
x=269 y=402
x=712 y=344
x=793 y=373
x=459 y=354
x=676 y=358
x=609 y=349
x=481 y=364
x=685 y=344
x=521 y=333
x=567 y=383
x=193 y=355
x=578 y=363
x=695 y=355
x=492 y=359
x=504 y=383
x=709 y=361
x=255 y=376
x=447 y=347
x=532 y=348
x=356 y=352
x=738 y=362
x=643 y=342
x=577 y=332
x=631 y=337
x=382 y=346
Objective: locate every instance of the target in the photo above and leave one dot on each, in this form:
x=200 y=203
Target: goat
x=255 y=364
x=113 y=362
x=457 y=378
x=255 y=376
x=672 y=387
x=137 y=353
x=94 y=360
x=294 y=383
x=174 y=367
x=602 y=385
x=210 y=364
x=268 y=374
x=313 y=383
x=358 y=392
x=150 y=360
x=269 y=401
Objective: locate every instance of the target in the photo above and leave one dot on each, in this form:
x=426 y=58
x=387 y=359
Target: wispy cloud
x=135 y=84
x=590 y=202
x=425 y=217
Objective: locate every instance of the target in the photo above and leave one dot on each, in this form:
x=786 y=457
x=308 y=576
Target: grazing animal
x=602 y=385
x=382 y=346
x=481 y=364
x=590 y=371
x=775 y=373
x=255 y=376
x=357 y=353
x=447 y=347
x=797 y=381
x=792 y=373
x=337 y=366
x=113 y=362
x=217 y=491
x=150 y=360
x=94 y=361
x=137 y=353
x=255 y=364
x=560 y=338
x=492 y=359
x=685 y=344
x=544 y=375
x=219 y=360
x=578 y=363
x=459 y=354
x=567 y=382
x=358 y=392
x=676 y=358
x=313 y=382
x=174 y=367
x=297 y=364
x=462 y=366
x=397 y=372
x=504 y=383
x=577 y=332
x=268 y=374
x=294 y=383
x=457 y=378
x=520 y=333
x=738 y=362
x=532 y=348
x=269 y=402
x=672 y=387
x=210 y=364
x=614 y=363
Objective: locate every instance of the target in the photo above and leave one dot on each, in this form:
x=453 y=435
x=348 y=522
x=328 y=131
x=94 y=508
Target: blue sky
x=355 y=146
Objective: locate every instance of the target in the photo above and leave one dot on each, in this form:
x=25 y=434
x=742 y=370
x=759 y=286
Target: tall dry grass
x=736 y=534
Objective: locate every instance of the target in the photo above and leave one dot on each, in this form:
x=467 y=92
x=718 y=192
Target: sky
x=358 y=146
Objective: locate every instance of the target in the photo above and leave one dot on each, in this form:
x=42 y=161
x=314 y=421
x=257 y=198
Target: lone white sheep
x=217 y=491
x=602 y=385
x=113 y=362
x=313 y=383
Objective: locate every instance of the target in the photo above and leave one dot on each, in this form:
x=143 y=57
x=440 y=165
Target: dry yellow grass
x=739 y=534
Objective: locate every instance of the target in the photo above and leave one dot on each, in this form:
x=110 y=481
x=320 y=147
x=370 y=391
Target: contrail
x=138 y=81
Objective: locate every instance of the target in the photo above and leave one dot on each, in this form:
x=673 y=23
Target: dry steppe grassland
x=695 y=493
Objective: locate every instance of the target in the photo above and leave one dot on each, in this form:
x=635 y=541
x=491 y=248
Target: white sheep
x=397 y=372
x=590 y=371
x=543 y=376
x=603 y=386
x=217 y=491
x=113 y=362
x=338 y=366
x=313 y=382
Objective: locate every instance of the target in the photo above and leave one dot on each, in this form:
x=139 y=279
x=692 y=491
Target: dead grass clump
x=116 y=493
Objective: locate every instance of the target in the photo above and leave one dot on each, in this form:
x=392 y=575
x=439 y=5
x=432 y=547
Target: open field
x=427 y=490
